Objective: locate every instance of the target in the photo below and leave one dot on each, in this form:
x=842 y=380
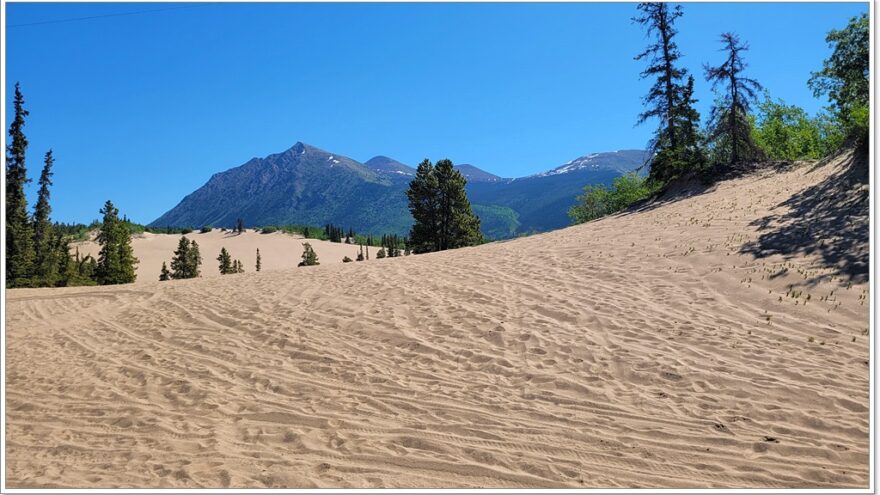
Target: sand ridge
x=649 y=349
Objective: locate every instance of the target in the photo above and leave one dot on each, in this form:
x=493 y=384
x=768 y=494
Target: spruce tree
x=237 y=266
x=194 y=260
x=674 y=147
x=730 y=130
x=360 y=256
x=19 y=234
x=164 y=274
x=46 y=253
x=259 y=260
x=116 y=261
x=186 y=260
x=380 y=254
x=225 y=262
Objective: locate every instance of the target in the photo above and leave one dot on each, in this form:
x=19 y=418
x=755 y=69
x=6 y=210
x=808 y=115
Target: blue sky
x=143 y=109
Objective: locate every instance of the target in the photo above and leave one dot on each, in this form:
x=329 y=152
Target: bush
x=346 y=259
x=206 y=229
x=309 y=258
x=598 y=201
x=268 y=229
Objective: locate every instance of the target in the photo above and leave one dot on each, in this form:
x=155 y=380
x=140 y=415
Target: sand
x=654 y=348
x=278 y=251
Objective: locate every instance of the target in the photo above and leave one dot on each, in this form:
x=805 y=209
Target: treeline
x=745 y=123
x=37 y=250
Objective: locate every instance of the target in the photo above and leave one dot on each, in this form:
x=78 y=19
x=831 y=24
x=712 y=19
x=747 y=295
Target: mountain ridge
x=309 y=185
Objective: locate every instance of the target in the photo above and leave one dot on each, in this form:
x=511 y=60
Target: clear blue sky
x=142 y=109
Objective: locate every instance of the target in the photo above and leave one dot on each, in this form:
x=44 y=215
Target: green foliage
x=259 y=260
x=116 y=261
x=845 y=75
x=165 y=274
x=19 y=234
x=786 y=132
x=730 y=133
x=269 y=229
x=237 y=267
x=206 y=229
x=497 y=222
x=676 y=143
x=598 y=201
x=380 y=254
x=346 y=259
x=309 y=258
x=186 y=260
x=225 y=262
x=439 y=204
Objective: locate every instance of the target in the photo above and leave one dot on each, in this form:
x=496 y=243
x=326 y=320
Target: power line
x=74 y=19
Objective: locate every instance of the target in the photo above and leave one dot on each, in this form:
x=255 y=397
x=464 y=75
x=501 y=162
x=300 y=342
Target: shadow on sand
x=829 y=219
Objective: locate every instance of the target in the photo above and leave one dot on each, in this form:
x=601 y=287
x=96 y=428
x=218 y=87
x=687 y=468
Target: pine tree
x=380 y=254
x=441 y=209
x=19 y=235
x=164 y=274
x=45 y=249
x=309 y=258
x=423 y=204
x=259 y=260
x=360 y=256
x=225 y=262
x=239 y=226
x=457 y=224
x=731 y=132
x=116 y=261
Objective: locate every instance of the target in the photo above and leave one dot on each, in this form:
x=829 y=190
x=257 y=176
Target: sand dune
x=676 y=346
x=277 y=250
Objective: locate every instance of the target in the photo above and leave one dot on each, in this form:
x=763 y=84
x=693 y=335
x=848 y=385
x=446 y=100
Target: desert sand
x=718 y=338
x=277 y=250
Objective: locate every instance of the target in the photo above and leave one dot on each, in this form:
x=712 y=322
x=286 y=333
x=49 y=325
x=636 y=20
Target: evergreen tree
x=225 y=262
x=164 y=274
x=45 y=243
x=193 y=260
x=186 y=260
x=237 y=267
x=116 y=261
x=239 y=226
x=424 y=205
x=309 y=258
x=19 y=235
x=360 y=256
x=380 y=254
x=730 y=130
x=259 y=260
x=457 y=224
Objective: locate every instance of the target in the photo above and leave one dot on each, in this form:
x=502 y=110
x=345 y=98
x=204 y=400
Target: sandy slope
x=646 y=349
x=277 y=251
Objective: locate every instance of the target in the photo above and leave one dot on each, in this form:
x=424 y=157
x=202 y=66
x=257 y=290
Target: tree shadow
x=829 y=219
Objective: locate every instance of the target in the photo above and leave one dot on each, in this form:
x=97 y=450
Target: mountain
x=307 y=185
x=303 y=185
x=389 y=165
x=542 y=200
x=474 y=174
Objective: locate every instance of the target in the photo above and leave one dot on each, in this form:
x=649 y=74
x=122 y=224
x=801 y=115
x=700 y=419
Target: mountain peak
x=474 y=174
x=381 y=163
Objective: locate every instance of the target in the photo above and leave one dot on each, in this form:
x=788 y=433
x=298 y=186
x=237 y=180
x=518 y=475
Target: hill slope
x=675 y=346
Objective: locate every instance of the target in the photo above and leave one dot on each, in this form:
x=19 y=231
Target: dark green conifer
x=225 y=262
x=259 y=260
x=19 y=234
x=116 y=260
x=164 y=274
x=309 y=258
